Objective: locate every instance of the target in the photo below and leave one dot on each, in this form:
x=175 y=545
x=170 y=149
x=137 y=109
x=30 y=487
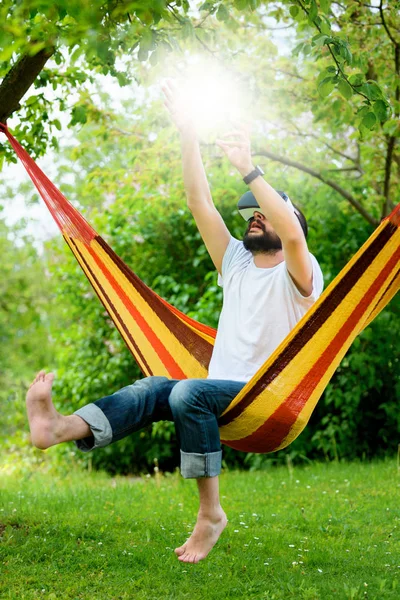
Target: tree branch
x=385 y=25
x=344 y=193
x=19 y=79
x=299 y=133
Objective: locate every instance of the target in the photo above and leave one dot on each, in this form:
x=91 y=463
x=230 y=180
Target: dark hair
x=298 y=213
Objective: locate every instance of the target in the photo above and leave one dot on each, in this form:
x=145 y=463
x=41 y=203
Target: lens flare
x=214 y=97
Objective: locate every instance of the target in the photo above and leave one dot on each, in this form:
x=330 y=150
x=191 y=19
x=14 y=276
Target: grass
x=317 y=532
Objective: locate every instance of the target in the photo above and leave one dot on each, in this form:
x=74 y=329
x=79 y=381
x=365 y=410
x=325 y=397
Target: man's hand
x=238 y=150
x=177 y=108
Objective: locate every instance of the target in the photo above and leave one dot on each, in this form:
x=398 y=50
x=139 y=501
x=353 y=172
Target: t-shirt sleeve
x=318 y=282
x=235 y=253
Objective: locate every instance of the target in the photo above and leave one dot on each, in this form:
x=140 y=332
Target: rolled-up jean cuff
x=195 y=465
x=99 y=426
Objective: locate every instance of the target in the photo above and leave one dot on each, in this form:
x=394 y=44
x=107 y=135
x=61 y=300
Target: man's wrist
x=246 y=169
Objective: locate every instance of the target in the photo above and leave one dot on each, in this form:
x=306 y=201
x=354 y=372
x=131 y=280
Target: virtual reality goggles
x=248 y=204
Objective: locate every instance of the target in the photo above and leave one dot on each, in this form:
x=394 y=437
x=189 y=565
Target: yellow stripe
x=99 y=291
x=276 y=393
x=180 y=354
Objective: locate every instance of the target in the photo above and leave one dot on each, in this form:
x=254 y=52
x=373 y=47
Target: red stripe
x=195 y=324
x=275 y=429
x=172 y=366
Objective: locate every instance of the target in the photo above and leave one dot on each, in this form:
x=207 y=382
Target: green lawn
x=317 y=532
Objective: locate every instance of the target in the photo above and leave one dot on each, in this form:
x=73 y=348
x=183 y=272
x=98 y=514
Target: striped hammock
x=275 y=405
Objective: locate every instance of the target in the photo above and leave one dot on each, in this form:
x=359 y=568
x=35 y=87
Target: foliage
x=314 y=139
x=310 y=533
x=140 y=210
x=24 y=325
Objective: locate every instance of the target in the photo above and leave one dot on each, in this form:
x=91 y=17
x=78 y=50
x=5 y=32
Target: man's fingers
x=238 y=134
x=167 y=91
x=229 y=144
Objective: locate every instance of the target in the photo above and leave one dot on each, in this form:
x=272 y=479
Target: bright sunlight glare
x=214 y=97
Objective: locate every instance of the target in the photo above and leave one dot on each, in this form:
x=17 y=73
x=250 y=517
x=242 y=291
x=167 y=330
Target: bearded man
x=269 y=279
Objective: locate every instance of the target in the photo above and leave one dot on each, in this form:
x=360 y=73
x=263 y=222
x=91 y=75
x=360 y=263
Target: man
x=270 y=280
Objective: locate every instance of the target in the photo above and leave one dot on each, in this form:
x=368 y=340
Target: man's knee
x=185 y=396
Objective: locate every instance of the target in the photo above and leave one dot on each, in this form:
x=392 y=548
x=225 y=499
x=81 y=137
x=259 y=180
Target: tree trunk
x=19 y=79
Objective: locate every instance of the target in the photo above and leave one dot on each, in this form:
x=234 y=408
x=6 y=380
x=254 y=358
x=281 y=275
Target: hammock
x=275 y=405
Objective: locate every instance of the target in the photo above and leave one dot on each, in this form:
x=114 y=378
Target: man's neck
x=267 y=260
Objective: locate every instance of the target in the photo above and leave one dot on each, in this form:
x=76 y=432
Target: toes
x=187 y=557
x=184 y=557
x=49 y=377
x=181 y=550
x=42 y=375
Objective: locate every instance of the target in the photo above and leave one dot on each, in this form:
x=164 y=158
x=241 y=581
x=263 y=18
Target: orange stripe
x=171 y=365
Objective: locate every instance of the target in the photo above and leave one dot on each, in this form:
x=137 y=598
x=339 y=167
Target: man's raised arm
x=275 y=210
x=209 y=222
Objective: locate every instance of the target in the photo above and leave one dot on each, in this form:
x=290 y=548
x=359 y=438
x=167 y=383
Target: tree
x=82 y=39
x=344 y=71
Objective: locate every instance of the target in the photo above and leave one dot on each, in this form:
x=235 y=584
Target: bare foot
x=204 y=537
x=44 y=420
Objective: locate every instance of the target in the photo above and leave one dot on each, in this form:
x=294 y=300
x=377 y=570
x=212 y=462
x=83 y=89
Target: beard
x=266 y=243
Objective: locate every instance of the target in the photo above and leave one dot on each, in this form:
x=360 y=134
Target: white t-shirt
x=261 y=306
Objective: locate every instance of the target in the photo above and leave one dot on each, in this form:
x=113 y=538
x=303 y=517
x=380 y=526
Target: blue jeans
x=194 y=405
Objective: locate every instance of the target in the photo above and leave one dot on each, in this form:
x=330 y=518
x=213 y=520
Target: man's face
x=259 y=237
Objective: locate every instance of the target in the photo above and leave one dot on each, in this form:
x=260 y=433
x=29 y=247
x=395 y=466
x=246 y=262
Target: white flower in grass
x=291 y=545
x=295 y=563
x=319 y=570
x=100 y=544
x=266 y=564
x=236 y=531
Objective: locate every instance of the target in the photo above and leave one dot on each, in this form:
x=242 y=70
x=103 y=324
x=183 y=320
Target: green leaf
x=297 y=49
x=345 y=53
x=325 y=26
x=31 y=100
x=187 y=30
x=154 y=58
x=325 y=6
x=294 y=11
x=369 y=121
x=319 y=40
x=142 y=54
x=392 y=127
x=79 y=114
x=326 y=86
x=345 y=89
x=147 y=40
x=313 y=12
x=372 y=90
x=222 y=13
x=381 y=109
x=357 y=79
x=327 y=73
x=57 y=124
